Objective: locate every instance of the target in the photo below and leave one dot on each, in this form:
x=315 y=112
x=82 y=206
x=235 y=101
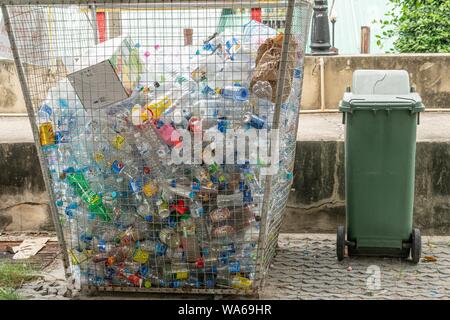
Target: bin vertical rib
x=32 y=118
x=275 y=126
x=93 y=12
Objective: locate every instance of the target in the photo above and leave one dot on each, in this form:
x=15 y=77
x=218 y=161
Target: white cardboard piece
x=98 y=86
x=29 y=247
x=94 y=77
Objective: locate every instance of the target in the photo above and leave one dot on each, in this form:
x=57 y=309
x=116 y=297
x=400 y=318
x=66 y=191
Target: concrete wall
x=41 y=80
x=428 y=73
x=317 y=201
x=11 y=99
x=23 y=199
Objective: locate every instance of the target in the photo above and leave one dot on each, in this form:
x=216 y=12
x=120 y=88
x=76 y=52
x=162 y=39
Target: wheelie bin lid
x=381 y=90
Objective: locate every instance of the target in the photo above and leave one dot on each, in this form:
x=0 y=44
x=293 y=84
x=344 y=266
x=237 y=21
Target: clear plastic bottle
x=236 y=93
x=45 y=113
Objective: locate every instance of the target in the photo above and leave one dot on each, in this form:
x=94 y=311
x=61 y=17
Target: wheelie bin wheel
x=416 y=246
x=340 y=243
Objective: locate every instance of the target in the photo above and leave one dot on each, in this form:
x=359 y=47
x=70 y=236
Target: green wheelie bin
x=380 y=113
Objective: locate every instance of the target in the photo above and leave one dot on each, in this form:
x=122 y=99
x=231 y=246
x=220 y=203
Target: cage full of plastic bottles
x=166 y=132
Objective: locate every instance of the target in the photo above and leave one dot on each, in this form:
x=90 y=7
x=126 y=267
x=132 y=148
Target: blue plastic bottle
x=234 y=92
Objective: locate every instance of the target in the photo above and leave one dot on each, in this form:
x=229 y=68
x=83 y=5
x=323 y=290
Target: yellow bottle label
x=118 y=142
x=99 y=157
x=73 y=257
x=242 y=283
x=46 y=134
x=182 y=275
x=150 y=189
x=147 y=284
x=140 y=256
x=139 y=115
x=158 y=107
x=95 y=200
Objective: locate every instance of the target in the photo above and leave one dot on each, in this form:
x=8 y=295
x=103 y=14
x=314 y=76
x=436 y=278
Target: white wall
x=351 y=15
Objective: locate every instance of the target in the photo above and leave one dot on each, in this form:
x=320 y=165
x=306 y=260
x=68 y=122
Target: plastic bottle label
x=46 y=134
x=118 y=142
x=150 y=189
x=141 y=256
x=117 y=166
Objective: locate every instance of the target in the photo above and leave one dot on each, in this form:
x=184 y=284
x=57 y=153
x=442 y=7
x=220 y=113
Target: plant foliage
x=419 y=26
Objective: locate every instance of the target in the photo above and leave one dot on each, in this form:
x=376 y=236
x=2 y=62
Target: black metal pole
x=320 y=34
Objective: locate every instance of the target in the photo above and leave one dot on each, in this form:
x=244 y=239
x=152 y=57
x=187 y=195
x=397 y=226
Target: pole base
x=327 y=53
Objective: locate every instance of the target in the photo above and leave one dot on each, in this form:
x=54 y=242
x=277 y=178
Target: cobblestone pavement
x=52 y=285
x=306 y=267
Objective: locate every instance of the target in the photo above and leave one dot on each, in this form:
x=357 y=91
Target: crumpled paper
x=268 y=63
x=28 y=248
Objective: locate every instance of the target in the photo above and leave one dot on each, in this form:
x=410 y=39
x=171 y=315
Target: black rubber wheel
x=416 y=246
x=340 y=243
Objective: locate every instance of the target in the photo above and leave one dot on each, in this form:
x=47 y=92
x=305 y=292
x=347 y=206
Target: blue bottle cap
x=234 y=267
x=84 y=237
x=101 y=245
x=222 y=125
x=209 y=283
x=69 y=170
x=69 y=212
x=195 y=184
x=172 y=222
x=72 y=205
x=63 y=103
x=161 y=249
x=143 y=270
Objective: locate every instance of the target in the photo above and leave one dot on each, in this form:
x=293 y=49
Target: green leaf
x=420 y=25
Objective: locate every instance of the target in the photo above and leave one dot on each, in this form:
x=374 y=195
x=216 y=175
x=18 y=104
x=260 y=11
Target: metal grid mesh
x=115 y=90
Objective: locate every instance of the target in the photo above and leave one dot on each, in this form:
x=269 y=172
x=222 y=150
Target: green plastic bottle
x=93 y=200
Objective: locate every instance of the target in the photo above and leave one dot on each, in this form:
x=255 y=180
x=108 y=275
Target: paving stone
x=39 y=287
x=305 y=267
x=311 y=259
x=52 y=291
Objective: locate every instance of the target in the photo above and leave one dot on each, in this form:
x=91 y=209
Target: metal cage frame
x=266 y=246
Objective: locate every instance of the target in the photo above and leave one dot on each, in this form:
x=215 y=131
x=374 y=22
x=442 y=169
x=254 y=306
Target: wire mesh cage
x=166 y=132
